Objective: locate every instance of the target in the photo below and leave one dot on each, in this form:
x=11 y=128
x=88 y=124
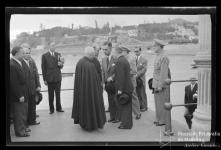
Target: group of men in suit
x=24 y=84
x=114 y=66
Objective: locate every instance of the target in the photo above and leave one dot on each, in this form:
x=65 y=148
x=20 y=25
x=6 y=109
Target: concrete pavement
x=60 y=127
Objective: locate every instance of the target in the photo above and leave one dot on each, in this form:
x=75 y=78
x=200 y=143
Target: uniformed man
x=161 y=85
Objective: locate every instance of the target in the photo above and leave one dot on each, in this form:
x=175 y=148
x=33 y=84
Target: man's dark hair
x=109 y=44
x=15 y=50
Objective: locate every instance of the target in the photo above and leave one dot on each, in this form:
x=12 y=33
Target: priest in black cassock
x=88 y=105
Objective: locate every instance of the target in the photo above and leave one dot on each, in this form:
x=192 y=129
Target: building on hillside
x=133 y=32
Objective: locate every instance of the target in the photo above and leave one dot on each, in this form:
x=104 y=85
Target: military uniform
x=160 y=74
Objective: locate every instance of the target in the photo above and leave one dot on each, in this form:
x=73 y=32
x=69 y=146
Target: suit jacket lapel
x=17 y=64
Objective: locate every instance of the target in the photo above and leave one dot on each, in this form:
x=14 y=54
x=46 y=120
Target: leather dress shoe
x=155 y=122
x=24 y=135
x=160 y=124
x=110 y=120
x=51 y=112
x=122 y=127
x=115 y=121
x=27 y=130
x=168 y=133
x=138 y=117
x=35 y=123
x=60 y=111
x=143 y=109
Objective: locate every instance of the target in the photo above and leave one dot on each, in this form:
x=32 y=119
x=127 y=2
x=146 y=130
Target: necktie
x=28 y=63
x=136 y=60
x=108 y=61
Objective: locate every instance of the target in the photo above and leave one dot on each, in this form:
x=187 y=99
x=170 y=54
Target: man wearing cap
x=18 y=92
x=124 y=86
x=108 y=65
x=161 y=85
x=33 y=84
x=141 y=63
x=51 y=65
x=133 y=72
x=190 y=97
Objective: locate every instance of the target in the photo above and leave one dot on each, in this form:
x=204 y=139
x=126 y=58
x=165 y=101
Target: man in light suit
x=108 y=70
x=141 y=63
x=51 y=65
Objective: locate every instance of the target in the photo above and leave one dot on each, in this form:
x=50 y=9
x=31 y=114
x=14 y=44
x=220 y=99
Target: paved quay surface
x=60 y=127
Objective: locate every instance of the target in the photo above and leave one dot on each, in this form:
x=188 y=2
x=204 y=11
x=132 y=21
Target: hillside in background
x=174 y=31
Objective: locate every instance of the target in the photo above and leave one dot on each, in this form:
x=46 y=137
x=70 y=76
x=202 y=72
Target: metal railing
x=71 y=73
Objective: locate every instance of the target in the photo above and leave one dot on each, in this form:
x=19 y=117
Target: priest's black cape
x=88 y=104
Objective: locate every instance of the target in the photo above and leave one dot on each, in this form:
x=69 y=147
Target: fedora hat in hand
x=123 y=98
x=110 y=87
x=38 y=97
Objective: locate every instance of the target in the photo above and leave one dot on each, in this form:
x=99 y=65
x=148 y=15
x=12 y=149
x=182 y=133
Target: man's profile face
x=107 y=50
x=20 y=54
x=96 y=51
x=27 y=53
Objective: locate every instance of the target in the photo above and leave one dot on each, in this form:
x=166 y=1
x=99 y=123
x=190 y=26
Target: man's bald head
x=89 y=52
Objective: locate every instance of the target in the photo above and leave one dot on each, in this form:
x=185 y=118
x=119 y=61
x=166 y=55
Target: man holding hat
x=51 y=65
x=161 y=85
x=124 y=89
x=108 y=65
x=190 y=97
x=133 y=73
x=141 y=63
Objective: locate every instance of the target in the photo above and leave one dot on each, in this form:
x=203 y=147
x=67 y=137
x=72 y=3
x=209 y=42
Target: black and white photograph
x=111 y=78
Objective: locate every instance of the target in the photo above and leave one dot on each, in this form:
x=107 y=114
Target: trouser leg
x=19 y=118
x=31 y=109
x=141 y=93
x=112 y=106
x=135 y=103
x=51 y=96
x=58 y=97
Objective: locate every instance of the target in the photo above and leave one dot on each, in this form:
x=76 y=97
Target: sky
x=30 y=23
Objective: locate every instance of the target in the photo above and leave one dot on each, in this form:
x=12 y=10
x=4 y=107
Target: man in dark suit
x=108 y=69
x=190 y=97
x=141 y=63
x=123 y=85
x=51 y=69
x=18 y=92
x=33 y=84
